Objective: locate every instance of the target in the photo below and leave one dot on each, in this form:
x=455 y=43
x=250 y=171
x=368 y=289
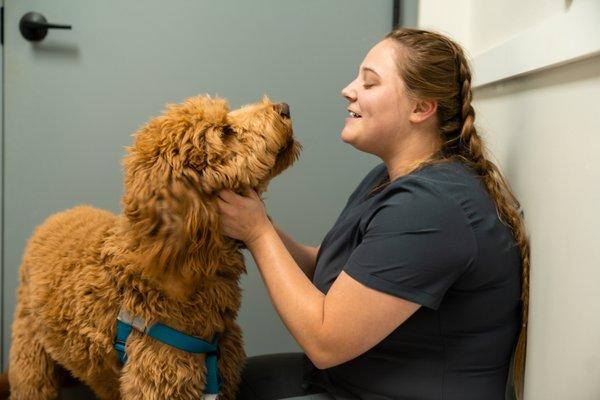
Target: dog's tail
x=4 y=386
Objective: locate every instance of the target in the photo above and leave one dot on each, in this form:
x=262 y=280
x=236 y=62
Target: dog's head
x=178 y=162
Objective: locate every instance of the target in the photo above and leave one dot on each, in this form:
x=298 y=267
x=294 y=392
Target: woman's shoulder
x=445 y=172
x=442 y=186
x=438 y=177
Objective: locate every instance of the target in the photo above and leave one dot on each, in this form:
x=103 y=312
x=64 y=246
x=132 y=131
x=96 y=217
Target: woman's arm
x=332 y=328
x=305 y=256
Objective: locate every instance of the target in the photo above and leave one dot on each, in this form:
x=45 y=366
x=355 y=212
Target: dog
x=162 y=261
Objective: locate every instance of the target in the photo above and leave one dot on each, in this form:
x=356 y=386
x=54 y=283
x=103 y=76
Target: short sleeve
x=417 y=243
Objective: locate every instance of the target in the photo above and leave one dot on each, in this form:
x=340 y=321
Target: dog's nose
x=284 y=109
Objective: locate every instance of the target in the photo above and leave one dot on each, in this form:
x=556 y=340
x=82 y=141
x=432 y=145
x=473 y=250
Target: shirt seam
x=466 y=218
x=462 y=211
x=476 y=255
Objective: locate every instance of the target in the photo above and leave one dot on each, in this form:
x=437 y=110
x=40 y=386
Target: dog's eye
x=227 y=131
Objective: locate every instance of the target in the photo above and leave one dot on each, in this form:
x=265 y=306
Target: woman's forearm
x=305 y=256
x=299 y=303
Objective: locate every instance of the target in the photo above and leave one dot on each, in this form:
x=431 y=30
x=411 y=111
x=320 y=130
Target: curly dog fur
x=162 y=259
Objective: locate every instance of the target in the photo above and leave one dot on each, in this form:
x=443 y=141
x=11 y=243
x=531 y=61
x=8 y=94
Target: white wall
x=543 y=129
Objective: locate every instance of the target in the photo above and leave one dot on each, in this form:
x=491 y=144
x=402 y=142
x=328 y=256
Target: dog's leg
x=104 y=383
x=231 y=361
x=32 y=374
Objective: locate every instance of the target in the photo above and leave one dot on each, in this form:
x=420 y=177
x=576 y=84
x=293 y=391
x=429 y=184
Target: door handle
x=34 y=27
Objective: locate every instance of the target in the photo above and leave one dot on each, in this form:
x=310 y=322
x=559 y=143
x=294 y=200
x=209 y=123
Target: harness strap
x=174 y=338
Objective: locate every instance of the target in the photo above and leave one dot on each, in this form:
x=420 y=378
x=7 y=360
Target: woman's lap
x=275 y=377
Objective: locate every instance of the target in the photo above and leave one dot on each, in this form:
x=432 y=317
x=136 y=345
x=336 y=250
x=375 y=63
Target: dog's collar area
x=174 y=338
x=136 y=322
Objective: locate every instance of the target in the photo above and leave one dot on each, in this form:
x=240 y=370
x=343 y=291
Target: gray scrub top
x=432 y=237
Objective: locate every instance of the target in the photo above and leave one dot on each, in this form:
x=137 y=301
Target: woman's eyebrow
x=370 y=69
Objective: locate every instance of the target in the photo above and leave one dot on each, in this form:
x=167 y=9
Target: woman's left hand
x=242 y=217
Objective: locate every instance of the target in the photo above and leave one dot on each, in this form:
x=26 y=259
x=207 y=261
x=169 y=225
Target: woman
x=420 y=290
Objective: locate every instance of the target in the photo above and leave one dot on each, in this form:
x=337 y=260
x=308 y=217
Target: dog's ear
x=237 y=158
x=168 y=213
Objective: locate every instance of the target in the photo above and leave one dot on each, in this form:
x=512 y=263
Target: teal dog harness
x=174 y=338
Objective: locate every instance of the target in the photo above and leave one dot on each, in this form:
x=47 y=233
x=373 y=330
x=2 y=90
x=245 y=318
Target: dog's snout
x=283 y=109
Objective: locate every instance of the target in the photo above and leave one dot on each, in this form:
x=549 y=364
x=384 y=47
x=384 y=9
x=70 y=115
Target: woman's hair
x=434 y=67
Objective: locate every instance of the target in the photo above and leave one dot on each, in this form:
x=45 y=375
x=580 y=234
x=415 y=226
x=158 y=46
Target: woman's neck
x=417 y=148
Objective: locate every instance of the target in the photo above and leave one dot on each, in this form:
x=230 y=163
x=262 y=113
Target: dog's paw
x=209 y=396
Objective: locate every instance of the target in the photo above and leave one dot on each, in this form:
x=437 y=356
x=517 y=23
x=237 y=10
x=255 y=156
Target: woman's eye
x=366 y=86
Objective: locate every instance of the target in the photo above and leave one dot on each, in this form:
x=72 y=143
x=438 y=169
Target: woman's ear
x=422 y=110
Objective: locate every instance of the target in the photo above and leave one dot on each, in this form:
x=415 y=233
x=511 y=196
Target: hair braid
x=433 y=58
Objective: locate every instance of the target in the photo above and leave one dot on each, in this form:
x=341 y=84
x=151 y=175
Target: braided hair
x=434 y=67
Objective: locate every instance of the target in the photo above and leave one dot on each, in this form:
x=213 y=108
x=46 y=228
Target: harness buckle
x=138 y=323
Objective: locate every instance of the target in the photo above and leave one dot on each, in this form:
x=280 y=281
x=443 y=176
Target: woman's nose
x=348 y=93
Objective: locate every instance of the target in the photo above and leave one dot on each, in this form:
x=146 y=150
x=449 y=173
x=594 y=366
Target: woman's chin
x=347 y=136
x=352 y=138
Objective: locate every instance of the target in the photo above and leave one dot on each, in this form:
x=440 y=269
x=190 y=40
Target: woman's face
x=378 y=96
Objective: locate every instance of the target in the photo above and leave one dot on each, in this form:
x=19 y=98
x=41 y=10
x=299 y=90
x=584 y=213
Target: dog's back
x=66 y=304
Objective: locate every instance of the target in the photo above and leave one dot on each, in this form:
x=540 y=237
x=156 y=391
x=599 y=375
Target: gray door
x=72 y=101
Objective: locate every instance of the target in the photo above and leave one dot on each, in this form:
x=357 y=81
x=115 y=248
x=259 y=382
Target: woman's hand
x=242 y=217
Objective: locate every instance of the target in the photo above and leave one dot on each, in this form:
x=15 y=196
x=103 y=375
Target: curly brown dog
x=163 y=260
